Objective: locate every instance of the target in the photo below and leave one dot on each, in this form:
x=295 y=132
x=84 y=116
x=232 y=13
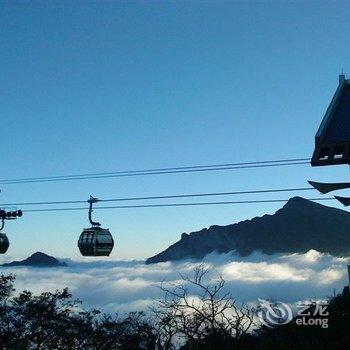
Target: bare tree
x=195 y=313
x=198 y=311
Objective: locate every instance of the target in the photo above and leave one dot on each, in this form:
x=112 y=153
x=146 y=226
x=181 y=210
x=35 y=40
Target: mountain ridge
x=297 y=227
x=37 y=259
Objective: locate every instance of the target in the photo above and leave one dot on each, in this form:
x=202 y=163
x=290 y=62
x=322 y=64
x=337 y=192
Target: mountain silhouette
x=38 y=259
x=300 y=225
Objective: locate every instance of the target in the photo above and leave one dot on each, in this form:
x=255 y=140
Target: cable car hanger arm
x=91 y=201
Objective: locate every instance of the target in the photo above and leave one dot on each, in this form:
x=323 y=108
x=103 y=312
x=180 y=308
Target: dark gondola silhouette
x=6 y=215
x=95 y=241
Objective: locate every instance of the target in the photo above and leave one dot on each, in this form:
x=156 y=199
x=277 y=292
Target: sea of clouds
x=132 y=285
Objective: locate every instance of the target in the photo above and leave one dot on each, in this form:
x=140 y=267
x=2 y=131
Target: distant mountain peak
x=37 y=259
x=297 y=199
x=297 y=227
x=299 y=202
x=39 y=255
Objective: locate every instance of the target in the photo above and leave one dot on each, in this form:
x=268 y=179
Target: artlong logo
x=274 y=313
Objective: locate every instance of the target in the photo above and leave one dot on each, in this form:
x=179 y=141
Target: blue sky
x=106 y=86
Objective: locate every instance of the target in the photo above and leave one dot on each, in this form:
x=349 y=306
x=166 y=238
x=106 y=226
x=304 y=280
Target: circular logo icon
x=273 y=314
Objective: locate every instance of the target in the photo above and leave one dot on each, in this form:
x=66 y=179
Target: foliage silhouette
x=194 y=314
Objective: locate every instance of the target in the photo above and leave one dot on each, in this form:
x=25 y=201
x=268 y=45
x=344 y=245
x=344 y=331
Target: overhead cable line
x=174 y=205
x=160 y=171
x=189 y=195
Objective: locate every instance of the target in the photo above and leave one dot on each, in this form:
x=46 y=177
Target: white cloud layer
x=131 y=285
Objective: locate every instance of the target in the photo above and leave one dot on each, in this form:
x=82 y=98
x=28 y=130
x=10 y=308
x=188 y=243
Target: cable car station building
x=332 y=141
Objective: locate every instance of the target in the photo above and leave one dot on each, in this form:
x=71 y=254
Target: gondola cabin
x=4 y=243
x=95 y=241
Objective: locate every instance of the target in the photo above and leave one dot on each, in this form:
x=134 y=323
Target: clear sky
x=105 y=86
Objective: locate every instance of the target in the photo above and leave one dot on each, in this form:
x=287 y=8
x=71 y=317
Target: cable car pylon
x=95 y=241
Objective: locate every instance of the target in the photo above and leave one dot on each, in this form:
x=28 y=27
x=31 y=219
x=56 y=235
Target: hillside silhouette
x=300 y=225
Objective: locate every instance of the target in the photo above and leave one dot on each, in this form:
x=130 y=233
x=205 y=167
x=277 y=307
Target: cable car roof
x=332 y=141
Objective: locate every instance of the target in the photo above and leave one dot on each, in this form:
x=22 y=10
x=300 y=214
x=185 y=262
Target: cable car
x=4 y=243
x=6 y=215
x=95 y=241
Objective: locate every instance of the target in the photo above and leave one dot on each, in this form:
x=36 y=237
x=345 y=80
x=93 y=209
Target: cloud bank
x=131 y=285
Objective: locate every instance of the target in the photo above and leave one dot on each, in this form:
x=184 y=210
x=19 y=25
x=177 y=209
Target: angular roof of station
x=332 y=141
